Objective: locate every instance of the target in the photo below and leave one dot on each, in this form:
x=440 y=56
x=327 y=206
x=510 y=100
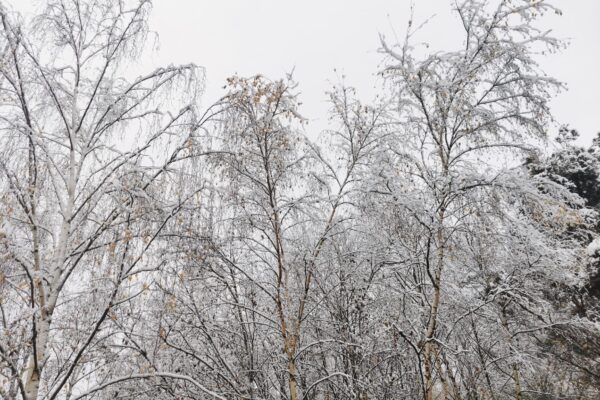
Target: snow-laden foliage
x=419 y=248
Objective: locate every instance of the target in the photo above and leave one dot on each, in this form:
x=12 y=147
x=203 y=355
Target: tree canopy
x=424 y=246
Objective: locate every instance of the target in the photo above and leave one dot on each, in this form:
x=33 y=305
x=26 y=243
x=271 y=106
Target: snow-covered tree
x=458 y=112
x=151 y=250
x=86 y=156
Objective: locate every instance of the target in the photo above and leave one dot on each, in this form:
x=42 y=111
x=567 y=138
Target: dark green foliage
x=574 y=167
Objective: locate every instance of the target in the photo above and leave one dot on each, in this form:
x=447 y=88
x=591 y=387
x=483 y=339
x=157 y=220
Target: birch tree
x=84 y=152
x=459 y=108
x=283 y=212
x=421 y=247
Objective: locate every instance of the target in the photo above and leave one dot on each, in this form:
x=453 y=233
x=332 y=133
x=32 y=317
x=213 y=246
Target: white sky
x=313 y=37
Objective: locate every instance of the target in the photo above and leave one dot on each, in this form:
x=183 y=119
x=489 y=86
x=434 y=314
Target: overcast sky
x=314 y=37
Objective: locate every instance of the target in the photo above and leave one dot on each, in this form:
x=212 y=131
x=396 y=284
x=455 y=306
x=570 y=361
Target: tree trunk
x=293 y=378
x=429 y=353
x=34 y=364
x=517 y=378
